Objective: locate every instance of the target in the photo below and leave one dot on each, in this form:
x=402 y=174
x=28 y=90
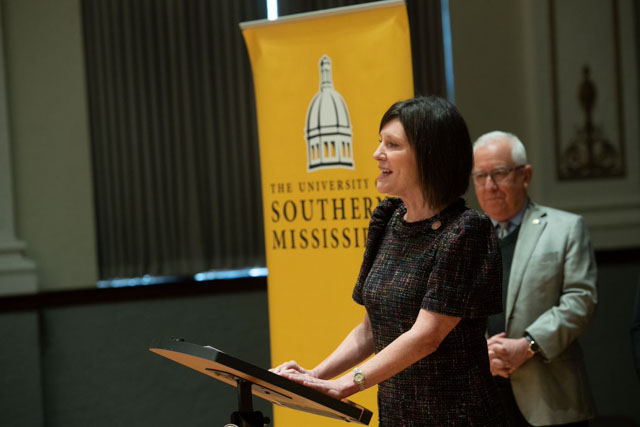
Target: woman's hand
x=291 y=367
x=332 y=388
x=294 y=372
x=355 y=348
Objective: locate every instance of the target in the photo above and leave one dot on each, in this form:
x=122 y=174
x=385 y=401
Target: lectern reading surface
x=262 y=383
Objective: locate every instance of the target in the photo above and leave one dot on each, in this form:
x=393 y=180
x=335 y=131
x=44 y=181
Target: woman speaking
x=430 y=278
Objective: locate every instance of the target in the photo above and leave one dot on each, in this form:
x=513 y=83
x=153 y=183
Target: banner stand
x=322 y=82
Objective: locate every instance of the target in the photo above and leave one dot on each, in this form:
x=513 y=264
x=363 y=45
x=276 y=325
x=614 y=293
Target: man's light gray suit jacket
x=552 y=296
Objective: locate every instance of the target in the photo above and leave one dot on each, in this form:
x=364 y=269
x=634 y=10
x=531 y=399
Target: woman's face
x=397 y=163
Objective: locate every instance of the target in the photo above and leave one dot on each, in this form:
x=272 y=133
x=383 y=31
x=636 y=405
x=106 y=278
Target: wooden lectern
x=250 y=379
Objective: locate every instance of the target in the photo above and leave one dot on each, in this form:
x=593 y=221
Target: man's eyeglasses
x=497 y=175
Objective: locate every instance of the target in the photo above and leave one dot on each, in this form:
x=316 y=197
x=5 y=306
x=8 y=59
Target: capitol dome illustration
x=328 y=126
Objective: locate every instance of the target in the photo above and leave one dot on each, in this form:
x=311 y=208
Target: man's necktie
x=503 y=229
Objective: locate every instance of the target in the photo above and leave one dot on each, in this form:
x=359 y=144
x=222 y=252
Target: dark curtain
x=174 y=143
x=427 y=47
x=173 y=128
x=425 y=23
x=290 y=7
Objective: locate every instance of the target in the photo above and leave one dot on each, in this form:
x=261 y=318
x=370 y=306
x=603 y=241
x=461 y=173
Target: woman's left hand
x=332 y=388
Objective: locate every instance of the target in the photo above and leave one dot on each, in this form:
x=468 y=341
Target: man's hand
x=498 y=366
x=507 y=354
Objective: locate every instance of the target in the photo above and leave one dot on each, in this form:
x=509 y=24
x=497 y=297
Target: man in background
x=549 y=292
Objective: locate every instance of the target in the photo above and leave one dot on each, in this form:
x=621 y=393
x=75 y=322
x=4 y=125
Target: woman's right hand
x=291 y=367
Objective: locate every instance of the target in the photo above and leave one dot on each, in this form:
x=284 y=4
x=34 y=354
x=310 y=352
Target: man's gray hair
x=518 y=152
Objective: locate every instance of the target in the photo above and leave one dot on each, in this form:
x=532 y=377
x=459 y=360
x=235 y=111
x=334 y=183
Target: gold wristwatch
x=358 y=378
x=533 y=346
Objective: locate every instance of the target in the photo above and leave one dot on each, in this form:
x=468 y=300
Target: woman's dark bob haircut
x=440 y=140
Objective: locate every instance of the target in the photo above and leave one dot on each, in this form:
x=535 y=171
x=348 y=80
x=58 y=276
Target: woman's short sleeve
x=377 y=226
x=466 y=279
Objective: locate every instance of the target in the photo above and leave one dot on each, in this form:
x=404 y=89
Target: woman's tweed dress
x=449 y=264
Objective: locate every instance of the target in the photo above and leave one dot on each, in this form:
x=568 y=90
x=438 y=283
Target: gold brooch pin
x=436 y=224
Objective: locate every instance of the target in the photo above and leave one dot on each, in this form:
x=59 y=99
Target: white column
x=17 y=273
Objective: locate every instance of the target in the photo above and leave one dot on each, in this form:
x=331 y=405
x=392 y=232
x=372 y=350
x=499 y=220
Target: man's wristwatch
x=533 y=346
x=358 y=378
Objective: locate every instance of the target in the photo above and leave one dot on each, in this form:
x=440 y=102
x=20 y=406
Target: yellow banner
x=322 y=82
